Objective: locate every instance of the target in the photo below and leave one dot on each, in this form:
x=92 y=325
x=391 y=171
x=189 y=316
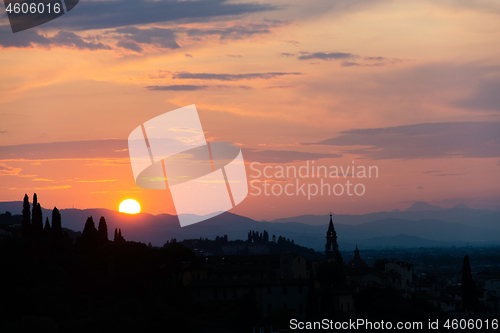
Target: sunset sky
x=411 y=87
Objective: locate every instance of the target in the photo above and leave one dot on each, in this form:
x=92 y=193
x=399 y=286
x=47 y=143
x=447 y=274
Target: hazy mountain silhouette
x=461 y=206
x=421 y=206
x=460 y=214
x=384 y=229
x=428 y=229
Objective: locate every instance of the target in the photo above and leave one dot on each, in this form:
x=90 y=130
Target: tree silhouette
x=89 y=234
x=46 y=229
x=26 y=224
x=35 y=204
x=470 y=301
x=37 y=218
x=118 y=236
x=56 y=225
x=103 y=230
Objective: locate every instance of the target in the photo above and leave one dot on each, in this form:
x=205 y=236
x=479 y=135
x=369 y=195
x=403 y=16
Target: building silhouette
x=357 y=262
x=332 y=253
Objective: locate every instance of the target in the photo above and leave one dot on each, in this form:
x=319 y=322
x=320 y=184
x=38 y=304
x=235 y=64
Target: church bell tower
x=332 y=248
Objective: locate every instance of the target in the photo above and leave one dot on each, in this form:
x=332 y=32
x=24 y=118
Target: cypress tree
x=89 y=233
x=103 y=230
x=37 y=219
x=46 y=228
x=26 y=223
x=56 y=224
x=470 y=300
x=118 y=236
x=35 y=204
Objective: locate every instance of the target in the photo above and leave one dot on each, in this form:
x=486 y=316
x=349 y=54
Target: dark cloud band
x=434 y=140
x=230 y=77
x=114 y=148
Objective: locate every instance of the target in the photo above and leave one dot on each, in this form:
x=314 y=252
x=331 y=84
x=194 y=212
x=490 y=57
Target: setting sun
x=129 y=206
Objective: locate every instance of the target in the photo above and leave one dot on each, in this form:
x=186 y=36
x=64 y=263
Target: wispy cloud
x=190 y=87
x=132 y=46
x=434 y=140
x=6 y=170
x=486 y=97
x=282 y=156
x=71 y=149
x=349 y=64
x=32 y=38
x=96 y=181
x=347 y=59
x=57 y=187
x=326 y=56
x=236 y=31
x=116 y=149
x=231 y=77
x=282 y=86
x=70 y=39
x=132 y=38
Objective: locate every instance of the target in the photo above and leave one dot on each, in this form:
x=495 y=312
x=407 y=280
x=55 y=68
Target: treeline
x=262 y=238
x=51 y=283
x=32 y=225
x=281 y=244
x=32 y=221
x=7 y=218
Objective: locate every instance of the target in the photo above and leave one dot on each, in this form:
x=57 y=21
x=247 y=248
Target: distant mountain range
x=417 y=211
x=421 y=225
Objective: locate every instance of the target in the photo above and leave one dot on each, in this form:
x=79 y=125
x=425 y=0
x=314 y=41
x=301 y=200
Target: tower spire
x=331 y=247
x=330 y=225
